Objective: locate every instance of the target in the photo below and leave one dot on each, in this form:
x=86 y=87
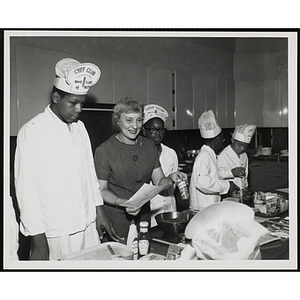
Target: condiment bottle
x=132 y=240
x=183 y=189
x=144 y=238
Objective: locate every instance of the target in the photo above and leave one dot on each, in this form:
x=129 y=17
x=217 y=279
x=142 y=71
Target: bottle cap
x=144 y=224
x=132 y=222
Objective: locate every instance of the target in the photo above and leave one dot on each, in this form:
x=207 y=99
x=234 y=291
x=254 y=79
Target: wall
x=237 y=78
x=34 y=73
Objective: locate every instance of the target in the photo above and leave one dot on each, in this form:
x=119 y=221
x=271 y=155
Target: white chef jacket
x=56 y=183
x=13 y=231
x=206 y=185
x=159 y=204
x=228 y=160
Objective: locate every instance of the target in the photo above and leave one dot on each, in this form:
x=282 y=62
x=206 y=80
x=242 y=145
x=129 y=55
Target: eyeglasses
x=155 y=130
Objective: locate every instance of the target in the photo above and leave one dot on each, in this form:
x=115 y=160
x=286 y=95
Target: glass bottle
x=144 y=239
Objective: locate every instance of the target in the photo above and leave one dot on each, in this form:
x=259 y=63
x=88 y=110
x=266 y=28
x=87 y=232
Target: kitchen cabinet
x=211 y=95
x=215 y=94
x=249 y=102
x=272 y=103
x=160 y=85
x=230 y=113
x=275 y=175
x=225 y=107
x=284 y=103
x=184 y=100
x=266 y=175
x=256 y=178
x=262 y=102
x=130 y=81
x=199 y=98
x=221 y=102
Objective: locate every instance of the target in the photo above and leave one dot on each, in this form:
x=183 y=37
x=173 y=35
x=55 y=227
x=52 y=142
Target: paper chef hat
x=244 y=133
x=154 y=111
x=74 y=77
x=208 y=125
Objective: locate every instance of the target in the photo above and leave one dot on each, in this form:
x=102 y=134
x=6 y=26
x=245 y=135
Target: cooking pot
x=190 y=154
x=173 y=223
x=266 y=151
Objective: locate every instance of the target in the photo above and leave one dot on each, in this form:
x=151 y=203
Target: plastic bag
x=229 y=239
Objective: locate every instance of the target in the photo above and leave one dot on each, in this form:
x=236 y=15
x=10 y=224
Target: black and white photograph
x=150 y=150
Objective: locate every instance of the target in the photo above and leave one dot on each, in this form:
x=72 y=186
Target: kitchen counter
x=276 y=250
x=277 y=158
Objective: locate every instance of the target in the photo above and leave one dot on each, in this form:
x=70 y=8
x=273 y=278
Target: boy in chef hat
x=61 y=206
x=154 y=128
x=233 y=160
x=206 y=186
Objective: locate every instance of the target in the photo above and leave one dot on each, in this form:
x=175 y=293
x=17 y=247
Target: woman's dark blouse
x=126 y=168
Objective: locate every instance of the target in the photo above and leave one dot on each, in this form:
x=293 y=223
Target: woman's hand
x=177 y=175
x=132 y=210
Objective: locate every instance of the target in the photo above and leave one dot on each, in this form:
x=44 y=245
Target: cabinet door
x=230 y=104
x=256 y=175
x=211 y=96
x=276 y=167
x=275 y=180
x=160 y=85
x=198 y=98
x=284 y=103
x=130 y=81
x=248 y=102
x=184 y=100
x=272 y=103
x=222 y=103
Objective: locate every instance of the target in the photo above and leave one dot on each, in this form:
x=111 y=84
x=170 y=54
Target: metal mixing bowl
x=173 y=223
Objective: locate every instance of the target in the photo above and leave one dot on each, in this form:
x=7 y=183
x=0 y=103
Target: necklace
x=122 y=140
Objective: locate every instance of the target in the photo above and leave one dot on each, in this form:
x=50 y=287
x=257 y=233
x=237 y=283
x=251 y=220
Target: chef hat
x=208 y=125
x=244 y=133
x=154 y=111
x=74 y=77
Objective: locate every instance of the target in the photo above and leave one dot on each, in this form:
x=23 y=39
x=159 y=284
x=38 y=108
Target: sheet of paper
x=143 y=195
x=285 y=190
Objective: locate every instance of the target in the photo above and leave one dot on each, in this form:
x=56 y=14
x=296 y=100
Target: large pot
x=189 y=155
x=173 y=223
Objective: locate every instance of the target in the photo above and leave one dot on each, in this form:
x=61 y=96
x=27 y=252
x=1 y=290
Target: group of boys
x=56 y=185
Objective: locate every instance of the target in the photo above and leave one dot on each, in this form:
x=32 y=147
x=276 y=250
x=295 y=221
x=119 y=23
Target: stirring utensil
x=113 y=253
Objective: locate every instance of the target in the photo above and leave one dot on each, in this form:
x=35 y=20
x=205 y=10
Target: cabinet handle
x=277 y=177
x=255 y=166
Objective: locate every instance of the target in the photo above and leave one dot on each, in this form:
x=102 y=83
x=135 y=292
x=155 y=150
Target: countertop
x=278 y=249
x=277 y=158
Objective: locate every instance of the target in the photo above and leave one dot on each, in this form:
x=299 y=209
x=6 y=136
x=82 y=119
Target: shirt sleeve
x=26 y=182
x=102 y=164
x=224 y=169
x=206 y=182
x=94 y=179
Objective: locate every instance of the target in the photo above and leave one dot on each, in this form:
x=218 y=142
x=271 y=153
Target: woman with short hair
x=124 y=163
